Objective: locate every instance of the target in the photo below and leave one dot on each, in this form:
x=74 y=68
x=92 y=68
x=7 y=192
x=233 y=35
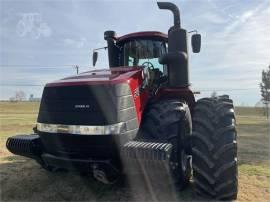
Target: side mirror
x=95 y=57
x=196 y=43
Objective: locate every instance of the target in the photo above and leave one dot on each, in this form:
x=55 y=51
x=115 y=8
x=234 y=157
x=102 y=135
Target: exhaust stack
x=172 y=7
x=177 y=56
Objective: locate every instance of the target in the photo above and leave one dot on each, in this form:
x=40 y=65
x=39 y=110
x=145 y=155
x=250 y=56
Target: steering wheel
x=149 y=65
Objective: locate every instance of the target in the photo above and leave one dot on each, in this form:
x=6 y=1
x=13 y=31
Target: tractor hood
x=101 y=76
x=95 y=98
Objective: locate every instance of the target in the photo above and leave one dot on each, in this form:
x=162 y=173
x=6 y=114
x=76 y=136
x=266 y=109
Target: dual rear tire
x=212 y=143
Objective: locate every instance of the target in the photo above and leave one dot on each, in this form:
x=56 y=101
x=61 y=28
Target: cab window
x=141 y=52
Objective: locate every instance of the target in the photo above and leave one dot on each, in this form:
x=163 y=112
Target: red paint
x=140 y=101
x=104 y=76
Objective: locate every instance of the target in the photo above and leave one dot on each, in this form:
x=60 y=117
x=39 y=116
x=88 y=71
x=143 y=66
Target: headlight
x=49 y=128
x=115 y=128
x=82 y=130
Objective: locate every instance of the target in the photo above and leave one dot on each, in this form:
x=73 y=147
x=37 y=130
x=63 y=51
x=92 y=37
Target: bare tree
x=20 y=95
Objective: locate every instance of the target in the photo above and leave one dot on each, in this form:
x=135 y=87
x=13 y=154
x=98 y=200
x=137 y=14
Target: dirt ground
x=22 y=179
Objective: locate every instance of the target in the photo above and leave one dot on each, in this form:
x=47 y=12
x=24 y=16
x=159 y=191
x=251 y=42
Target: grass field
x=23 y=179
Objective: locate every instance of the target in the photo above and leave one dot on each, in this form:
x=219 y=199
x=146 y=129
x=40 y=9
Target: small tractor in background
x=140 y=115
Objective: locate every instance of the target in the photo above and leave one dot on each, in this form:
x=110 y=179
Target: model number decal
x=81 y=106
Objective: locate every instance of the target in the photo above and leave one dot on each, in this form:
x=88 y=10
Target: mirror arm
x=100 y=48
x=95 y=52
x=193 y=31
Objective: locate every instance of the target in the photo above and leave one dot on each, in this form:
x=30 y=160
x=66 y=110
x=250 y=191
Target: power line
x=39 y=65
x=25 y=85
x=228 y=89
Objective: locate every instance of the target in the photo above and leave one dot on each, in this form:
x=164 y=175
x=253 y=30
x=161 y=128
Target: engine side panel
x=140 y=95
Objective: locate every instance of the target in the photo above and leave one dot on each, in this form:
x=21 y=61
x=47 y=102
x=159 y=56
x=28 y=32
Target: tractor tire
x=170 y=121
x=214 y=148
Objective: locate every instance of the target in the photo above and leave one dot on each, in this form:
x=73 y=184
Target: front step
x=150 y=151
x=138 y=156
x=148 y=167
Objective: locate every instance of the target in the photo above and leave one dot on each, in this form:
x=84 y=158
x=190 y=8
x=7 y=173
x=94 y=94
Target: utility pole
x=77 y=68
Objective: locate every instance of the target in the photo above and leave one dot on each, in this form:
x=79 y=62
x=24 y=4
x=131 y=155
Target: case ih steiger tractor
x=138 y=116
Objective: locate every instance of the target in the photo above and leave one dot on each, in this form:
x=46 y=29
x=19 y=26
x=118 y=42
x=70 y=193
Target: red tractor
x=139 y=115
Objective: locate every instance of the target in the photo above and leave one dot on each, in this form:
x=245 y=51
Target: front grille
x=86 y=105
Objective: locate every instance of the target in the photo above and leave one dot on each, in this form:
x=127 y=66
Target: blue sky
x=41 y=41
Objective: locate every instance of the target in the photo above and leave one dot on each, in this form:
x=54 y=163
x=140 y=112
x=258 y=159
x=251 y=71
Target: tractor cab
x=140 y=49
x=135 y=49
x=163 y=57
x=145 y=53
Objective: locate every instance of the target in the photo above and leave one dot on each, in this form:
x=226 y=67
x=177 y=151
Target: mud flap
x=148 y=167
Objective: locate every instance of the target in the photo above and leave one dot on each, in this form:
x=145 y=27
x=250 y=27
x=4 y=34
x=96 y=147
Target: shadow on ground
x=23 y=179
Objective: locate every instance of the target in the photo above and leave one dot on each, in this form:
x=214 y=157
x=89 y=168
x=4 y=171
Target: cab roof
x=148 y=34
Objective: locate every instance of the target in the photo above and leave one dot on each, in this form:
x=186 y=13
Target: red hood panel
x=102 y=76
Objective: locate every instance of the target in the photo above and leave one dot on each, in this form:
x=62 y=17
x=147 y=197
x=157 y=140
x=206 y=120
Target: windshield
x=142 y=52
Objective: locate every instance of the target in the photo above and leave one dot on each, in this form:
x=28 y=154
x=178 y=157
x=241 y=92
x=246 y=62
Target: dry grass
x=23 y=180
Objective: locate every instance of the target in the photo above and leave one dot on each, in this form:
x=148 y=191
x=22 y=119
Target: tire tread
x=214 y=148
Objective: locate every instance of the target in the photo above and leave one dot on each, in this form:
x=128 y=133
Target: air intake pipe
x=177 y=56
x=113 y=50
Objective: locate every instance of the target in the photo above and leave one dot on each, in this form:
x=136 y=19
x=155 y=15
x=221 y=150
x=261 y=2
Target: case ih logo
x=81 y=106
